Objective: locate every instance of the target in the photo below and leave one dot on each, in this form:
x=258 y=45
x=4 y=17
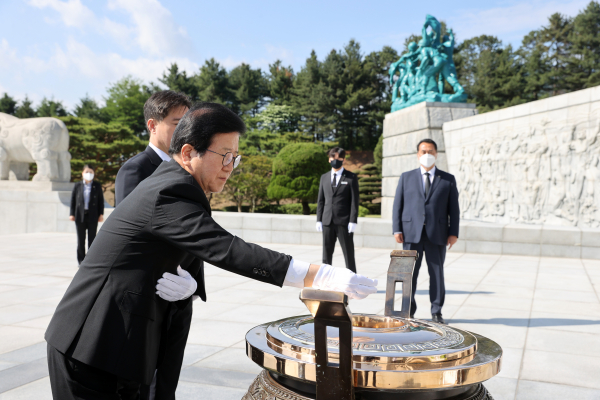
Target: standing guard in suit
x=425 y=218
x=87 y=209
x=106 y=335
x=162 y=111
x=337 y=208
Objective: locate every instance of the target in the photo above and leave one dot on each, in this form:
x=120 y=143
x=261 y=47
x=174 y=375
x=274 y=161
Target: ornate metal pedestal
x=333 y=354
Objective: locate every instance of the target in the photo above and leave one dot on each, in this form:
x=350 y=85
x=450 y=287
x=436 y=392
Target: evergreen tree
x=178 y=81
x=88 y=108
x=369 y=184
x=249 y=88
x=584 y=58
x=51 y=108
x=280 y=83
x=8 y=104
x=106 y=146
x=24 y=110
x=490 y=73
x=297 y=171
x=213 y=83
x=125 y=103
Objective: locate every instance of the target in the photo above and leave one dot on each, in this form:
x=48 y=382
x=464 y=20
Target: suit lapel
x=154 y=158
x=419 y=183
x=327 y=184
x=434 y=184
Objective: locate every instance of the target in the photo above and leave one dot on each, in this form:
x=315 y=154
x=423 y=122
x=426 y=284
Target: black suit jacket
x=95 y=205
x=110 y=317
x=439 y=212
x=339 y=205
x=135 y=170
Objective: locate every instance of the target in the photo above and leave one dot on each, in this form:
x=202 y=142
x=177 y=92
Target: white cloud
x=156 y=31
x=516 y=18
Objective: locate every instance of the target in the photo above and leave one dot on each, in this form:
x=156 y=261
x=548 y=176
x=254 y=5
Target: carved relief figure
x=540 y=173
x=44 y=141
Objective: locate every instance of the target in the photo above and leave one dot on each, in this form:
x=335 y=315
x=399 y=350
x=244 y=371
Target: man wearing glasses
x=109 y=331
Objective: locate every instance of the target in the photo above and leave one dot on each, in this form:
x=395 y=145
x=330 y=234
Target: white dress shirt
x=87 y=190
x=163 y=156
x=337 y=174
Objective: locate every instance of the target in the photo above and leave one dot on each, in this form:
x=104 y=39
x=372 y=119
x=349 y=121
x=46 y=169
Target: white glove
x=174 y=288
x=351 y=227
x=343 y=280
x=319 y=226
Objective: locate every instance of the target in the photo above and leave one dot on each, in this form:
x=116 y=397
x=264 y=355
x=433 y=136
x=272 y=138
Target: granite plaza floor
x=545 y=312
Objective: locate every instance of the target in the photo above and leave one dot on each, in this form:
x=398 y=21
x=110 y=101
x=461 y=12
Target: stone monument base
x=27 y=207
x=402 y=131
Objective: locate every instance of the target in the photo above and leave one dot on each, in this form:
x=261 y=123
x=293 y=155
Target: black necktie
x=427 y=184
x=334 y=184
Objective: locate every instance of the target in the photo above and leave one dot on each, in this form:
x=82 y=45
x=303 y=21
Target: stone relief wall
x=534 y=164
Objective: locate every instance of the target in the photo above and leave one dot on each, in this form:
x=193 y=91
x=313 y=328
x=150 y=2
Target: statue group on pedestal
x=423 y=70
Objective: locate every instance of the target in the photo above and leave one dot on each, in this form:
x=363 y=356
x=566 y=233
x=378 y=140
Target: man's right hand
x=72 y=218
x=319 y=226
x=399 y=238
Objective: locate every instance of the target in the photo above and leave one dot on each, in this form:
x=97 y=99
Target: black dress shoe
x=412 y=316
x=438 y=318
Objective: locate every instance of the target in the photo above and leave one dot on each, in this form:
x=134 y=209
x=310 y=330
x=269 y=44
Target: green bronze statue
x=422 y=71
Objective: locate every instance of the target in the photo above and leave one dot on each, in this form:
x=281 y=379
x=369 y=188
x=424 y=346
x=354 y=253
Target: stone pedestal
x=27 y=207
x=402 y=130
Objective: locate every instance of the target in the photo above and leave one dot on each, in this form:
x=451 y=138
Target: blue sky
x=68 y=48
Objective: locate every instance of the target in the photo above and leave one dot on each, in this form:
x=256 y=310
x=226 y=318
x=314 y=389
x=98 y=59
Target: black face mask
x=336 y=164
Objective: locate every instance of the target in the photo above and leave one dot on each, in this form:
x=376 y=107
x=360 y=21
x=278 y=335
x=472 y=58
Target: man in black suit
x=105 y=337
x=87 y=209
x=162 y=112
x=425 y=218
x=337 y=208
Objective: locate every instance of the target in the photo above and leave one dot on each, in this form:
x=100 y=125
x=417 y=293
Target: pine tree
x=178 y=81
x=24 y=110
x=8 y=104
x=125 y=103
x=280 y=83
x=584 y=59
x=213 y=83
x=88 y=108
x=51 y=108
x=369 y=187
x=249 y=88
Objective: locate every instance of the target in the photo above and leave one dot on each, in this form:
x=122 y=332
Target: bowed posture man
x=104 y=339
x=337 y=208
x=425 y=218
x=162 y=112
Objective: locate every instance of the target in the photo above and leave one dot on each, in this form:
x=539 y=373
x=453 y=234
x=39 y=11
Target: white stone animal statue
x=44 y=141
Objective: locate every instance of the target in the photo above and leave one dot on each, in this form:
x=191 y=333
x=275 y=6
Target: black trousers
x=330 y=234
x=173 y=343
x=91 y=227
x=74 y=380
x=436 y=255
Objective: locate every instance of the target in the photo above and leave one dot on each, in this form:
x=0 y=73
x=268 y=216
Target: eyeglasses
x=228 y=158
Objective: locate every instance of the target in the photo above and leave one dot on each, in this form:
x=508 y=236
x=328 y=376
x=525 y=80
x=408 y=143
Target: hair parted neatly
x=337 y=150
x=201 y=123
x=90 y=166
x=160 y=104
x=430 y=141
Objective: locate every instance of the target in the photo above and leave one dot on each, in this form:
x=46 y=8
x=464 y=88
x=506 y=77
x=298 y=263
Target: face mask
x=88 y=176
x=336 y=164
x=427 y=160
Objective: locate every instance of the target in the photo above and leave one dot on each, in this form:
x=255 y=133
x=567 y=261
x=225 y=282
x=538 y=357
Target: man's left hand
x=451 y=240
x=351 y=227
x=176 y=287
x=101 y=218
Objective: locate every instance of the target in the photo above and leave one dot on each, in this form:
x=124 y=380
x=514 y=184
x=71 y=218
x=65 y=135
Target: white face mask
x=88 y=176
x=427 y=160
